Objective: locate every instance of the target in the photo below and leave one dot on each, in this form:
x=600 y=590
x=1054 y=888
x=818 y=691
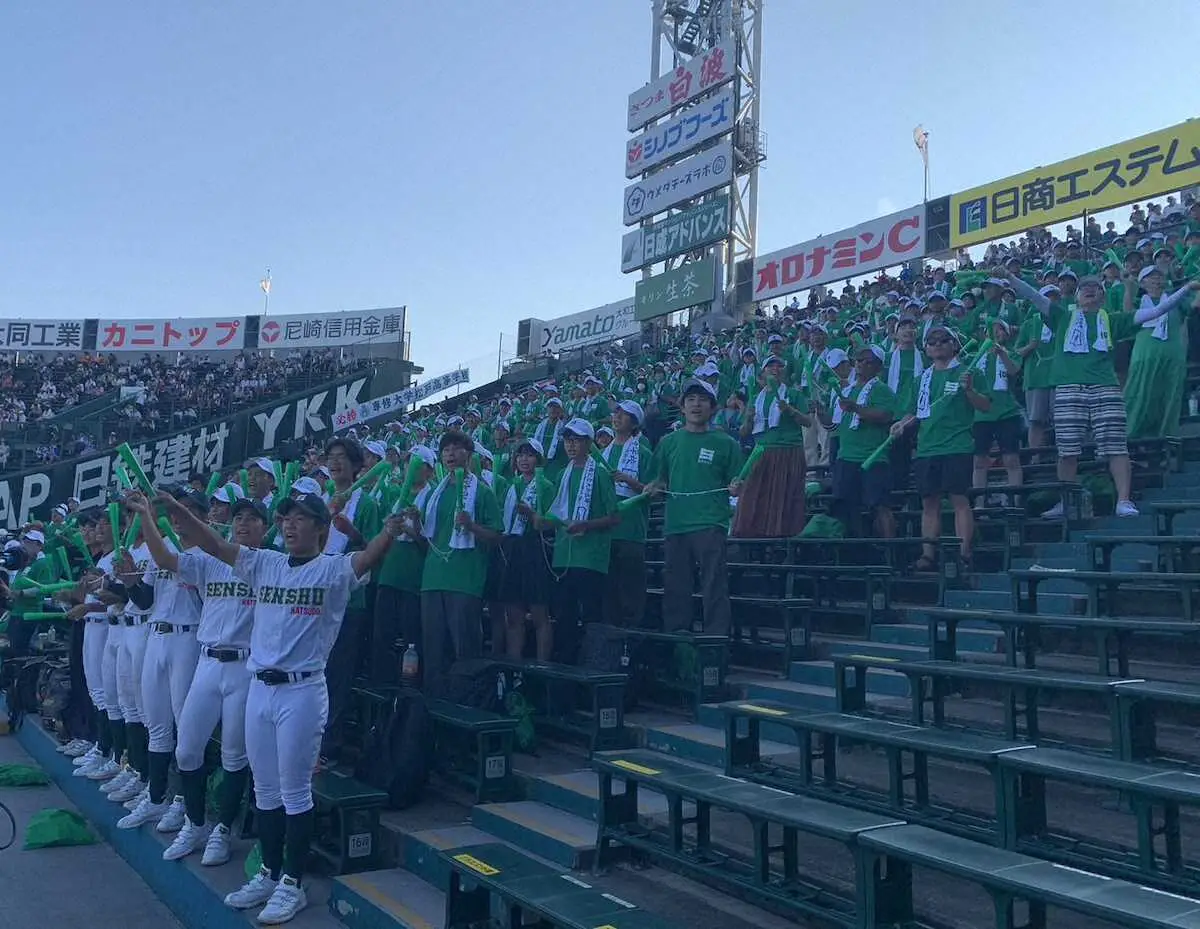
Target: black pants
x=451 y=630
x=578 y=599
x=78 y=719
x=686 y=552
x=339 y=676
x=397 y=624
x=625 y=592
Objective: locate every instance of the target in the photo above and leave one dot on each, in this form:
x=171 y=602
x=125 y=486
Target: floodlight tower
x=682 y=29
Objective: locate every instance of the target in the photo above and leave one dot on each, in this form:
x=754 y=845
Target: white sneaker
x=191 y=838
x=287 y=900
x=144 y=812
x=1126 y=508
x=88 y=757
x=121 y=780
x=70 y=745
x=92 y=764
x=103 y=771
x=217 y=850
x=255 y=892
x=172 y=820
x=78 y=748
x=133 y=788
x=143 y=794
x=1055 y=512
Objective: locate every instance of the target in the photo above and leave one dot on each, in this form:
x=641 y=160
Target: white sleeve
x=1149 y=313
x=248 y=562
x=193 y=567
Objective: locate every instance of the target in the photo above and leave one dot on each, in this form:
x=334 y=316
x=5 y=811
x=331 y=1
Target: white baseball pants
x=95 y=638
x=166 y=676
x=130 y=658
x=284 y=725
x=108 y=671
x=217 y=695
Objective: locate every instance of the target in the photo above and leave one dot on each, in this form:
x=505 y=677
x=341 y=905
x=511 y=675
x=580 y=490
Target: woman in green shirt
x=995 y=374
x=526 y=584
x=771 y=500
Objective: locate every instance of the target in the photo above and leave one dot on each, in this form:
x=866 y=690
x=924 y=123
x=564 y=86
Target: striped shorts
x=1083 y=408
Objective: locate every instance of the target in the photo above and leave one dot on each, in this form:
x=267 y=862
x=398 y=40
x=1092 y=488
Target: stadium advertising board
x=879 y=243
x=41 y=335
x=1150 y=165
x=395 y=403
x=683 y=84
x=680 y=134
x=590 y=327
x=690 y=178
x=688 y=285
x=332 y=330
x=207 y=334
x=684 y=232
x=219 y=445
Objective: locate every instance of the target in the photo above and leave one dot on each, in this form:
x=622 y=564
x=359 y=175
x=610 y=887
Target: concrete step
x=702 y=744
x=541 y=830
x=419 y=852
x=971 y=638
x=390 y=899
x=1189 y=478
x=877 y=649
x=578 y=792
x=820 y=673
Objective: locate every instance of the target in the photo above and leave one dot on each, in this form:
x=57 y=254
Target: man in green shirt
x=1035 y=347
x=39 y=569
x=628 y=456
x=945 y=408
x=695 y=465
x=459 y=520
x=995 y=374
x=867 y=414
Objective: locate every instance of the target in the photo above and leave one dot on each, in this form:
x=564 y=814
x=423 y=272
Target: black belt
x=114 y=620
x=227 y=654
x=273 y=677
x=133 y=620
x=171 y=627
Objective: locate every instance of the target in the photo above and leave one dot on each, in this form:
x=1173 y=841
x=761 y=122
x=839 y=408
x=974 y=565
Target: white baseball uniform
x=171 y=654
x=222 y=680
x=299 y=609
x=132 y=638
x=95 y=638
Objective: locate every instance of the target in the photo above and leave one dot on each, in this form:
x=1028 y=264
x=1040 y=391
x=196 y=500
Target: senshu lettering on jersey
x=291 y=596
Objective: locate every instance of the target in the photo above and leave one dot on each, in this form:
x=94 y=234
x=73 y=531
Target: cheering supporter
x=1000 y=424
x=1158 y=366
x=858 y=485
x=526 y=586
x=628 y=458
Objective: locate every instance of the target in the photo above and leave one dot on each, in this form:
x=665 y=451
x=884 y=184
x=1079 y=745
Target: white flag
x=265 y=283
x=921 y=140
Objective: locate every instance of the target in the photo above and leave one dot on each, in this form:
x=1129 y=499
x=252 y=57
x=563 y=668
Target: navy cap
x=309 y=504
x=256 y=506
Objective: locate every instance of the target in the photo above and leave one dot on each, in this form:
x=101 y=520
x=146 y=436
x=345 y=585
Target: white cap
x=708 y=369
x=535 y=445
x=229 y=493
x=264 y=463
x=35 y=535
x=550 y=400
x=485 y=453
x=633 y=408
x=11 y=545
x=426 y=454
x=835 y=357
x=580 y=427
x=306 y=485
x=376 y=448
x=605 y=430
x=1147 y=271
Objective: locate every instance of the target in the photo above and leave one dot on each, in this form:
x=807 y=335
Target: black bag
x=476 y=683
x=398 y=753
x=54 y=690
x=20 y=677
x=604 y=648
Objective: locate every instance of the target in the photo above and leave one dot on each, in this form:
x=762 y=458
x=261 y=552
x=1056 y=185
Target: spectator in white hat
x=628 y=456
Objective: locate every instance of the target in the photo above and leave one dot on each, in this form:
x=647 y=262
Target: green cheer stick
x=330 y=487
x=371 y=476
x=404 y=501
x=751 y=461
x=213 y=483
x=598 y=456
x=1112 y=256
x=65 y=561
x=879 y=452
x=123 y=480
x=539 y=475
x=26 y=583
x=269 y=538
x=76 y=539
x=630 y=502
x=244 y=480
x=289 y=477
x=165 y=527
x=43 y=617
x=277 y=471
x=131 y=534
x=460 y=479
x=58 y=587
x=114 y=522
x=135 y=469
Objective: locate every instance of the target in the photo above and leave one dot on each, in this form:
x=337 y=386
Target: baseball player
x=168 y=666
x=94 y=614
x=221 y=683
x=301 y=597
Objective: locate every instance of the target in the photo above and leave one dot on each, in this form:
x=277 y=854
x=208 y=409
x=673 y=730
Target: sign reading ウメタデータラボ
x=688 y=285
x=1147 y=166
x=695 y=175
x=686 y=231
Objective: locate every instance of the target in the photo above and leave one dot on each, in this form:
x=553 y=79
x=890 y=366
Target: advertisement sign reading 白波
x=603 y=324
x=878 y=243
x=680 y=182
x=680 y=134
x=684 y=232
x=683 y=84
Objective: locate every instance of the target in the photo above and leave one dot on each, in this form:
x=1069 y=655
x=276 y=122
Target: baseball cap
x=553 y=400
x=35 y=535
x=254 y=505
x=835 y=357
x=426 y=454
x=376 y=448
x=580 y=427
x=773 y=360
x=605 y=430
x=229 y=493
x=633 y=408
x=1147 y=271
x=308 y=504
x=306 y=485
x=874 y=350
x=262 y=463
x=695 y=385
x=193 y=498
x=534 y=445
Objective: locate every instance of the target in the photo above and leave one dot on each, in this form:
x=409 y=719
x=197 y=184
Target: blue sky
x=465 y=157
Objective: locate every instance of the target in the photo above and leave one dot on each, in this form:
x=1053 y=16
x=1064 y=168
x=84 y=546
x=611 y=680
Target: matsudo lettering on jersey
x=291 y=596
x=231 y=590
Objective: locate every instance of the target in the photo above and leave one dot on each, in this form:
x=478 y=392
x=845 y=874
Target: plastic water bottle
x=1194 y=403
x=410 y=664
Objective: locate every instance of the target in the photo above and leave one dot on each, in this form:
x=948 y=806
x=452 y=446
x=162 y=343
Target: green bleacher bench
x=907 y=749
x=1022 y=634
x=474 y=749
x=770 y=874
x=486 y=877
x=820 y=580
x=1070 y=493
x=1175 y=552
x=930 y=682
x=347 y=828
x=653 y=663
x=887 y=858
x=746 y=639
x=554 y=691
x=1136 y=710
x=1156 y=796
x=1025 y=582
x=1166 y=511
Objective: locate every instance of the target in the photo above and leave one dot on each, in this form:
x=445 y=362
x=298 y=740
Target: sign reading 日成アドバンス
x=684 y=232
x=702 y=172
x=677 y=87
x=680 y=134
x=688 y=285
x=1147 y=166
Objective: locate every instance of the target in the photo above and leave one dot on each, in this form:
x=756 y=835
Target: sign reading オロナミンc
x=1147 y=166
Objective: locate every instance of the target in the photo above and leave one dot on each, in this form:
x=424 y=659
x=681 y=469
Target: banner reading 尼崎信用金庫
x=1147 y=166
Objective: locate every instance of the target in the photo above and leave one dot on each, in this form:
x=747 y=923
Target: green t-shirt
x=1004 y=404
x=42 y=571
x=404 y=563
x=1091 y=368
x=595 y=409
x=545 y=496
x=949 y=428
x=590 y=550
x=701 y=463
x=906 y=385
x=458 y=570
x=789 y=433
x=856 y=445
x=1039 y=364
x=635 y=519
x=368 y=523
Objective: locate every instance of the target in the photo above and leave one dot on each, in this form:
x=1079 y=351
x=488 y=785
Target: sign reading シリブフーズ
x=1147 y=166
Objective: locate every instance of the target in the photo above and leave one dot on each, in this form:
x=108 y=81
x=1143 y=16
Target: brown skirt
x=771 y=504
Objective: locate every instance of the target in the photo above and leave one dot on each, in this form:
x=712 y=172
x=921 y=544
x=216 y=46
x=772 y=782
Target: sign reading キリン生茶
x=688 y=285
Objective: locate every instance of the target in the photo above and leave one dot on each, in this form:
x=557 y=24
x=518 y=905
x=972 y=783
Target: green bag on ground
x=212 y=792
x=518 y=708
x=57 y=829
x=823 y=526
x=22 y=775
x=253 y=861
x=1104 y=492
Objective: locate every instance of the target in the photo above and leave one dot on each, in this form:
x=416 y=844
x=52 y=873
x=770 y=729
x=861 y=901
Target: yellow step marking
x=482 y=867
x=636 y=768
